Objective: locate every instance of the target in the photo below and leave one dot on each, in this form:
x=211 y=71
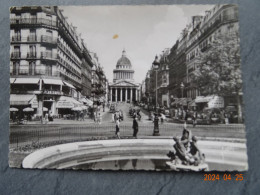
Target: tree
x=218 y=68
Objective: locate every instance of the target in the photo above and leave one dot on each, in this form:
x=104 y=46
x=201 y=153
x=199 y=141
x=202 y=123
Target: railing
x=32 y=38
x=31 y=55
x=47 y=135
x=205 y=48
x=15 y=55
x=68 y=66
x=192 y=57
x=65 y=49
x=48 y=39
x=42 y=21
x=16 y=38
x=48 y=55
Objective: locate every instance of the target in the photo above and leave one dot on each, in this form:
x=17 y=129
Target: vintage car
x=112 y=108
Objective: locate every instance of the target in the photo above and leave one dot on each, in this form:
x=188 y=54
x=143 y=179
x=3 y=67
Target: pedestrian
x=103 y=107
x=113 y=117
x=135 y=127
x=99 y=118
x=163 y=118
x=46 y=118
x=50 y=116
x=194 y=119
x=117 y=128
x=95 y=117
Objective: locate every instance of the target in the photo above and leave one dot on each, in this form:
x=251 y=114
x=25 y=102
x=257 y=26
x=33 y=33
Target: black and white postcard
x=140 y=87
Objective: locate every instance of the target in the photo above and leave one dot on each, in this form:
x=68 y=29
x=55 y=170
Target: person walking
x=135 y=127
x=117 y=128
x=99 y=118
x=194 y=121
x=46 y=118
x=113 y=117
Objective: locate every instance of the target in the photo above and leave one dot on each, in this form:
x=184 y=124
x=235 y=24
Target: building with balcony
x=222 y=19
x=50 y=66
x=163 y=80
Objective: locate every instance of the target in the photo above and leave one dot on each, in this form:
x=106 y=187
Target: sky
x=143 y=31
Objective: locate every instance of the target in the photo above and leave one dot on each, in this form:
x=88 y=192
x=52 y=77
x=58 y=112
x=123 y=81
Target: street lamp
x=182 y=87
x=155 y=67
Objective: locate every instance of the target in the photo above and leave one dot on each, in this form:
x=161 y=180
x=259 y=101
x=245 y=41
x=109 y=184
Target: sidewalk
x=59 y=121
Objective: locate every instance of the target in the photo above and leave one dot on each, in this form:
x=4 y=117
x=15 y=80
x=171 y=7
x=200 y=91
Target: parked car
x=112 y=108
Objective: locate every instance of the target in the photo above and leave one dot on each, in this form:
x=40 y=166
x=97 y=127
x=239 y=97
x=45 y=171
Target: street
x=71 y=130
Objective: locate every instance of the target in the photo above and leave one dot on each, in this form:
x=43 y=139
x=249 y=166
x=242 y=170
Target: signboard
x=34 y=103
x=64 y=104
x=216 y=102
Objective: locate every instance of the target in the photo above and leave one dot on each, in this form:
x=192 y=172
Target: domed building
x=123 y=88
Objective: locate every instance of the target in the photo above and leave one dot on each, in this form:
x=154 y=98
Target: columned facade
x=124 y=94
x=123 y=88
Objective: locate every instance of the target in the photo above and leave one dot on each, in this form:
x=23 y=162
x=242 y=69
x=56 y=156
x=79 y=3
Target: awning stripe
x=21 y=99
x=69 y=85
x=26 y=81
x=52 y=82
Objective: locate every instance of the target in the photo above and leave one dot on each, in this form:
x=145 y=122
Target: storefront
x=208 y=102
x=65 y=104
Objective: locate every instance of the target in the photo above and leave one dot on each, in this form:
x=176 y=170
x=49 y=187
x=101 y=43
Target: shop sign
x=64 y=104
x=34 y=103
x=53 y=92
x=216 y=102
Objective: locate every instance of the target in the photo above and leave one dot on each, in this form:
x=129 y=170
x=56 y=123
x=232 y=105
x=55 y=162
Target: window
x=32 y=36
x=48 y=70
x=32 y=68
x=16 y=66
x=32 y=51
x=164 y=79
x=16 y=52
x=17 y=35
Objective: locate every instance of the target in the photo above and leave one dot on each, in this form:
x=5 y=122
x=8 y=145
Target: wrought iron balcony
x=16 y=38
x=48 y=39
x=16 y=55
x=32 y=38
x=48 y=55
x=31 y=55
x=33 y=21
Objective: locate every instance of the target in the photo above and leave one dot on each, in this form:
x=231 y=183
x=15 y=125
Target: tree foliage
x=218 y=68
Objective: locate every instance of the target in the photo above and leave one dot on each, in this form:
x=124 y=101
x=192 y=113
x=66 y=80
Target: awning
x=183 y=102
x=192 y=103
x=52 y=82
x=12 y=80
x=89 y=102
x=26 y=81
x=203 y=99
x=21 y=99
x=84 y=100
x=69 y=85
x=67 y=102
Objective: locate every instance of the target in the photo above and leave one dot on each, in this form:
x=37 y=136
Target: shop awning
x=69 y=85
x=26 y=81
x=21 y=99
x=67 y=102
x=89 y=102
x=192 y=103
x=12 y=80
x=52 y=82
x=84 y=100
x=203 y=99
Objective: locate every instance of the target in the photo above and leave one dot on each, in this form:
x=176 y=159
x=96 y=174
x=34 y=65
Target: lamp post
x=182 y=87
x=155 y=67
